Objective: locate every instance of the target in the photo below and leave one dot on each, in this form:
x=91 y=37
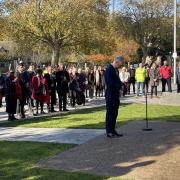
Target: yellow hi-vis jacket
x=141 y=74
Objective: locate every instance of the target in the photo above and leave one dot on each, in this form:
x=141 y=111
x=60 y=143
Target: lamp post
x=113 y=4
x=175 y=32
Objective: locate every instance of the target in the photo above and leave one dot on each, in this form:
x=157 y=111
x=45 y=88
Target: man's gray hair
x=119 y=58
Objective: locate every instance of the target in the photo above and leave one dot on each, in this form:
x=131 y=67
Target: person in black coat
x=51 y=82
x=31 y=73
x=132 y=79
x=24 y=82
x=10 y=94
x=178 y=78
x=112 y=95
x=2 y=87
x=62 y=79
x=73 y=87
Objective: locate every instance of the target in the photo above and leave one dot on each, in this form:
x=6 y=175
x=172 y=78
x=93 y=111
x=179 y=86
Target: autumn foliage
x=99 y=58
x=127 y=49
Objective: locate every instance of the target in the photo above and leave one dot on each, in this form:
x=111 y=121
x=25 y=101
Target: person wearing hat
x=112 y=96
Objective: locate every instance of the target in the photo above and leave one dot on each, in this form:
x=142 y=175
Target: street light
x=175 y=31
x=113 y=4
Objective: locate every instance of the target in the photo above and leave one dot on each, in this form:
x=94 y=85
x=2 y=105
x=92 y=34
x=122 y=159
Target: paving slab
x=139 y=155
x=53 y=135
x=90 y=104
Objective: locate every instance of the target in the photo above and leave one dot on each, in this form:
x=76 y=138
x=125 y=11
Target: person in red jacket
x=166 y=73
x=39 y=90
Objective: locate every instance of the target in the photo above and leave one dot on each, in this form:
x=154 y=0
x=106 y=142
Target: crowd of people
x=148 y=78
x=49 y=86
x=52 y=86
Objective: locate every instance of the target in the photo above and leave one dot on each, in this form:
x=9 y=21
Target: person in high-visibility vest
x=140 y=79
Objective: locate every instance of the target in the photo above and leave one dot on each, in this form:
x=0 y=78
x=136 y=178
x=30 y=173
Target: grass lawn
x=17 y=159
x=95 y=117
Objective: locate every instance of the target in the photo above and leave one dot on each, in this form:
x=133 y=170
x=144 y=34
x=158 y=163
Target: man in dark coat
x=132 y=80
x=178 y=78
x=51 y=82
x=112 y=95
x=62 y=79
x=24 y=82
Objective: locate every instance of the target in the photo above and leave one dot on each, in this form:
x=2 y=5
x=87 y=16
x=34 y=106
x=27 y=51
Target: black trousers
x=154 y=90
x=112 y=106
x=0 y=102
x=99 y=90
x=38 y=102
x=168 y=82
x=22 y=104
x=73 y=97
x=111 y=116
x=129 y=87
x=53 y=99
x=62 y=101
x=178 y=88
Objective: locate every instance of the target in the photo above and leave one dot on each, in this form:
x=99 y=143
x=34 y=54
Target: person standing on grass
x=140 y=79
x=51 y=84
x=132 y=80
x=38 y=91
x=24 y=82
x=112 y=95
x=91 y=83
x=178 y=78
x=166 y=74
x=62 y=79
x=11 y=95
x=124 y=77
x=154 y=79
x=2 y=88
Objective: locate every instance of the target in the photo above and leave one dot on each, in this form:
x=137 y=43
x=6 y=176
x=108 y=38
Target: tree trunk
x=55 y=55
x=144 y=50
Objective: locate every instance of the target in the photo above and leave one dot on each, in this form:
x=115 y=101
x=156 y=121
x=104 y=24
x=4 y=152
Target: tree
x=56 y=23
x=126 y=48
x=144 y=20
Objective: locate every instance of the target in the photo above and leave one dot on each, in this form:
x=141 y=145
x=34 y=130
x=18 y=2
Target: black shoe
x=23 y=116
x=35 y=114
x=13 y=117
x=42 y=112
x=65 y=110
x=10 y=119
x=117 y=134
x=53 y=111
x=111 y=135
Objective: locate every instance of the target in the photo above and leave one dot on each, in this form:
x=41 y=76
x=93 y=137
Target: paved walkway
x=138 y=155
x=94 y=103
x=55 y=135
